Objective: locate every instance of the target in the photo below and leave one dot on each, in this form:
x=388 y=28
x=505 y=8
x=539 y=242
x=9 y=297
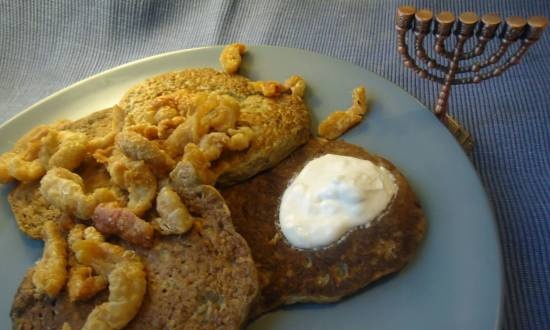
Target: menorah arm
x=510 y=61
x=409 y=62
x=423 y=55
x=439 y=47
x=477 y=51
x=493 y=59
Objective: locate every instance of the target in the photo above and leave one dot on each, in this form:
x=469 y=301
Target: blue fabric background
x=48 y=45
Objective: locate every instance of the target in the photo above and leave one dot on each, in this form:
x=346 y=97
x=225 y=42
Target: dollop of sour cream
x=332 y=195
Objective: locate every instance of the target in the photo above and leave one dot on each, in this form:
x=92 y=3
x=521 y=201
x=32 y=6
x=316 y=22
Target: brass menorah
x=486 y=28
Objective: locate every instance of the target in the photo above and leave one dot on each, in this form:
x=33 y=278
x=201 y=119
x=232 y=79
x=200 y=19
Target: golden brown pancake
x=289 y=275
x=281 y=122
x=205 y=279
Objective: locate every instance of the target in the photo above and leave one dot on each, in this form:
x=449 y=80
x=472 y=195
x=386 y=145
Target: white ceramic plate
x=454 y=283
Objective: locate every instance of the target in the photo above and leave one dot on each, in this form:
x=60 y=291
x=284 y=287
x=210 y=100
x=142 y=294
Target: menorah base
x=460 y=133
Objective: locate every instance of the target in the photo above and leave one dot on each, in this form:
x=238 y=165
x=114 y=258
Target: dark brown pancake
x=205 y=279
x=288 y=275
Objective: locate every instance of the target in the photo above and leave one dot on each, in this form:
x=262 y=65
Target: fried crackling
x=338 y=122
x=224 y=115
x=136 y=177
x=359 y=101
x=113 y=220
x=63 y=149
x=231 y=57
x=211 y=113
x=268 y=88
x=13 y=166
x=149 y=131
x=65 y=190
x=50 y=273
x=127 y=283
x=167 y=126
x=82 y=284
x=21 y=162
x=212 y=145
x=297 y=85
x=137 y=147
x=196 y=157
x=102 y=142
x=184 y=178
x=165 y=108
x=240 y=138
x=174 y=218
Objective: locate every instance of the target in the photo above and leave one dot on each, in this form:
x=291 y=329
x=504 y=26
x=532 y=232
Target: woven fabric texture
x=48 y=45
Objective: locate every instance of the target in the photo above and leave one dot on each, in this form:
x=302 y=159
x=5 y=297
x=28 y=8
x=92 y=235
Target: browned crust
x=205 y=279
x=288 y=275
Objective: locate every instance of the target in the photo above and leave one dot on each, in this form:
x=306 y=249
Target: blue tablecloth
x=48 y=45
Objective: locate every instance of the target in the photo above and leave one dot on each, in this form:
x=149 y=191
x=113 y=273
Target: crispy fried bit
x=149 y=131
x=185 y=178
x=165 y=107
x=105 y=195
x=80 y=231
x=65 y=190
x=66 y=326
x=13 y=166
x=63 y=149
x=174 y=216
x=212 y=145
x=297 y=85
x=113 y=220
x=338 y=122
x=127 y=283
x=268 y=88
x=194 y=155
x=22 y=163
x=163 y=102
x=231 y=57
x=167 y=126
x=359 y=103
x=240 y=138
x=43 y=148
x=136 y=177
x=137 y=147
x=91 y=233
x=225 y=114
x=50 y=273
x=211 y=113
x=82 y=284
x=103 y=142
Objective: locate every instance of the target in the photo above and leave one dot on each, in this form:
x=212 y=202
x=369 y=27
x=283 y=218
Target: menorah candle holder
x=481 y=66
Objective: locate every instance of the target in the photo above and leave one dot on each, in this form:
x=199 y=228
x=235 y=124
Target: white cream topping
x=332 y=195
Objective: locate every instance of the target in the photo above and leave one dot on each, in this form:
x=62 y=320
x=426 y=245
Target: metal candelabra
x=486 y=28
